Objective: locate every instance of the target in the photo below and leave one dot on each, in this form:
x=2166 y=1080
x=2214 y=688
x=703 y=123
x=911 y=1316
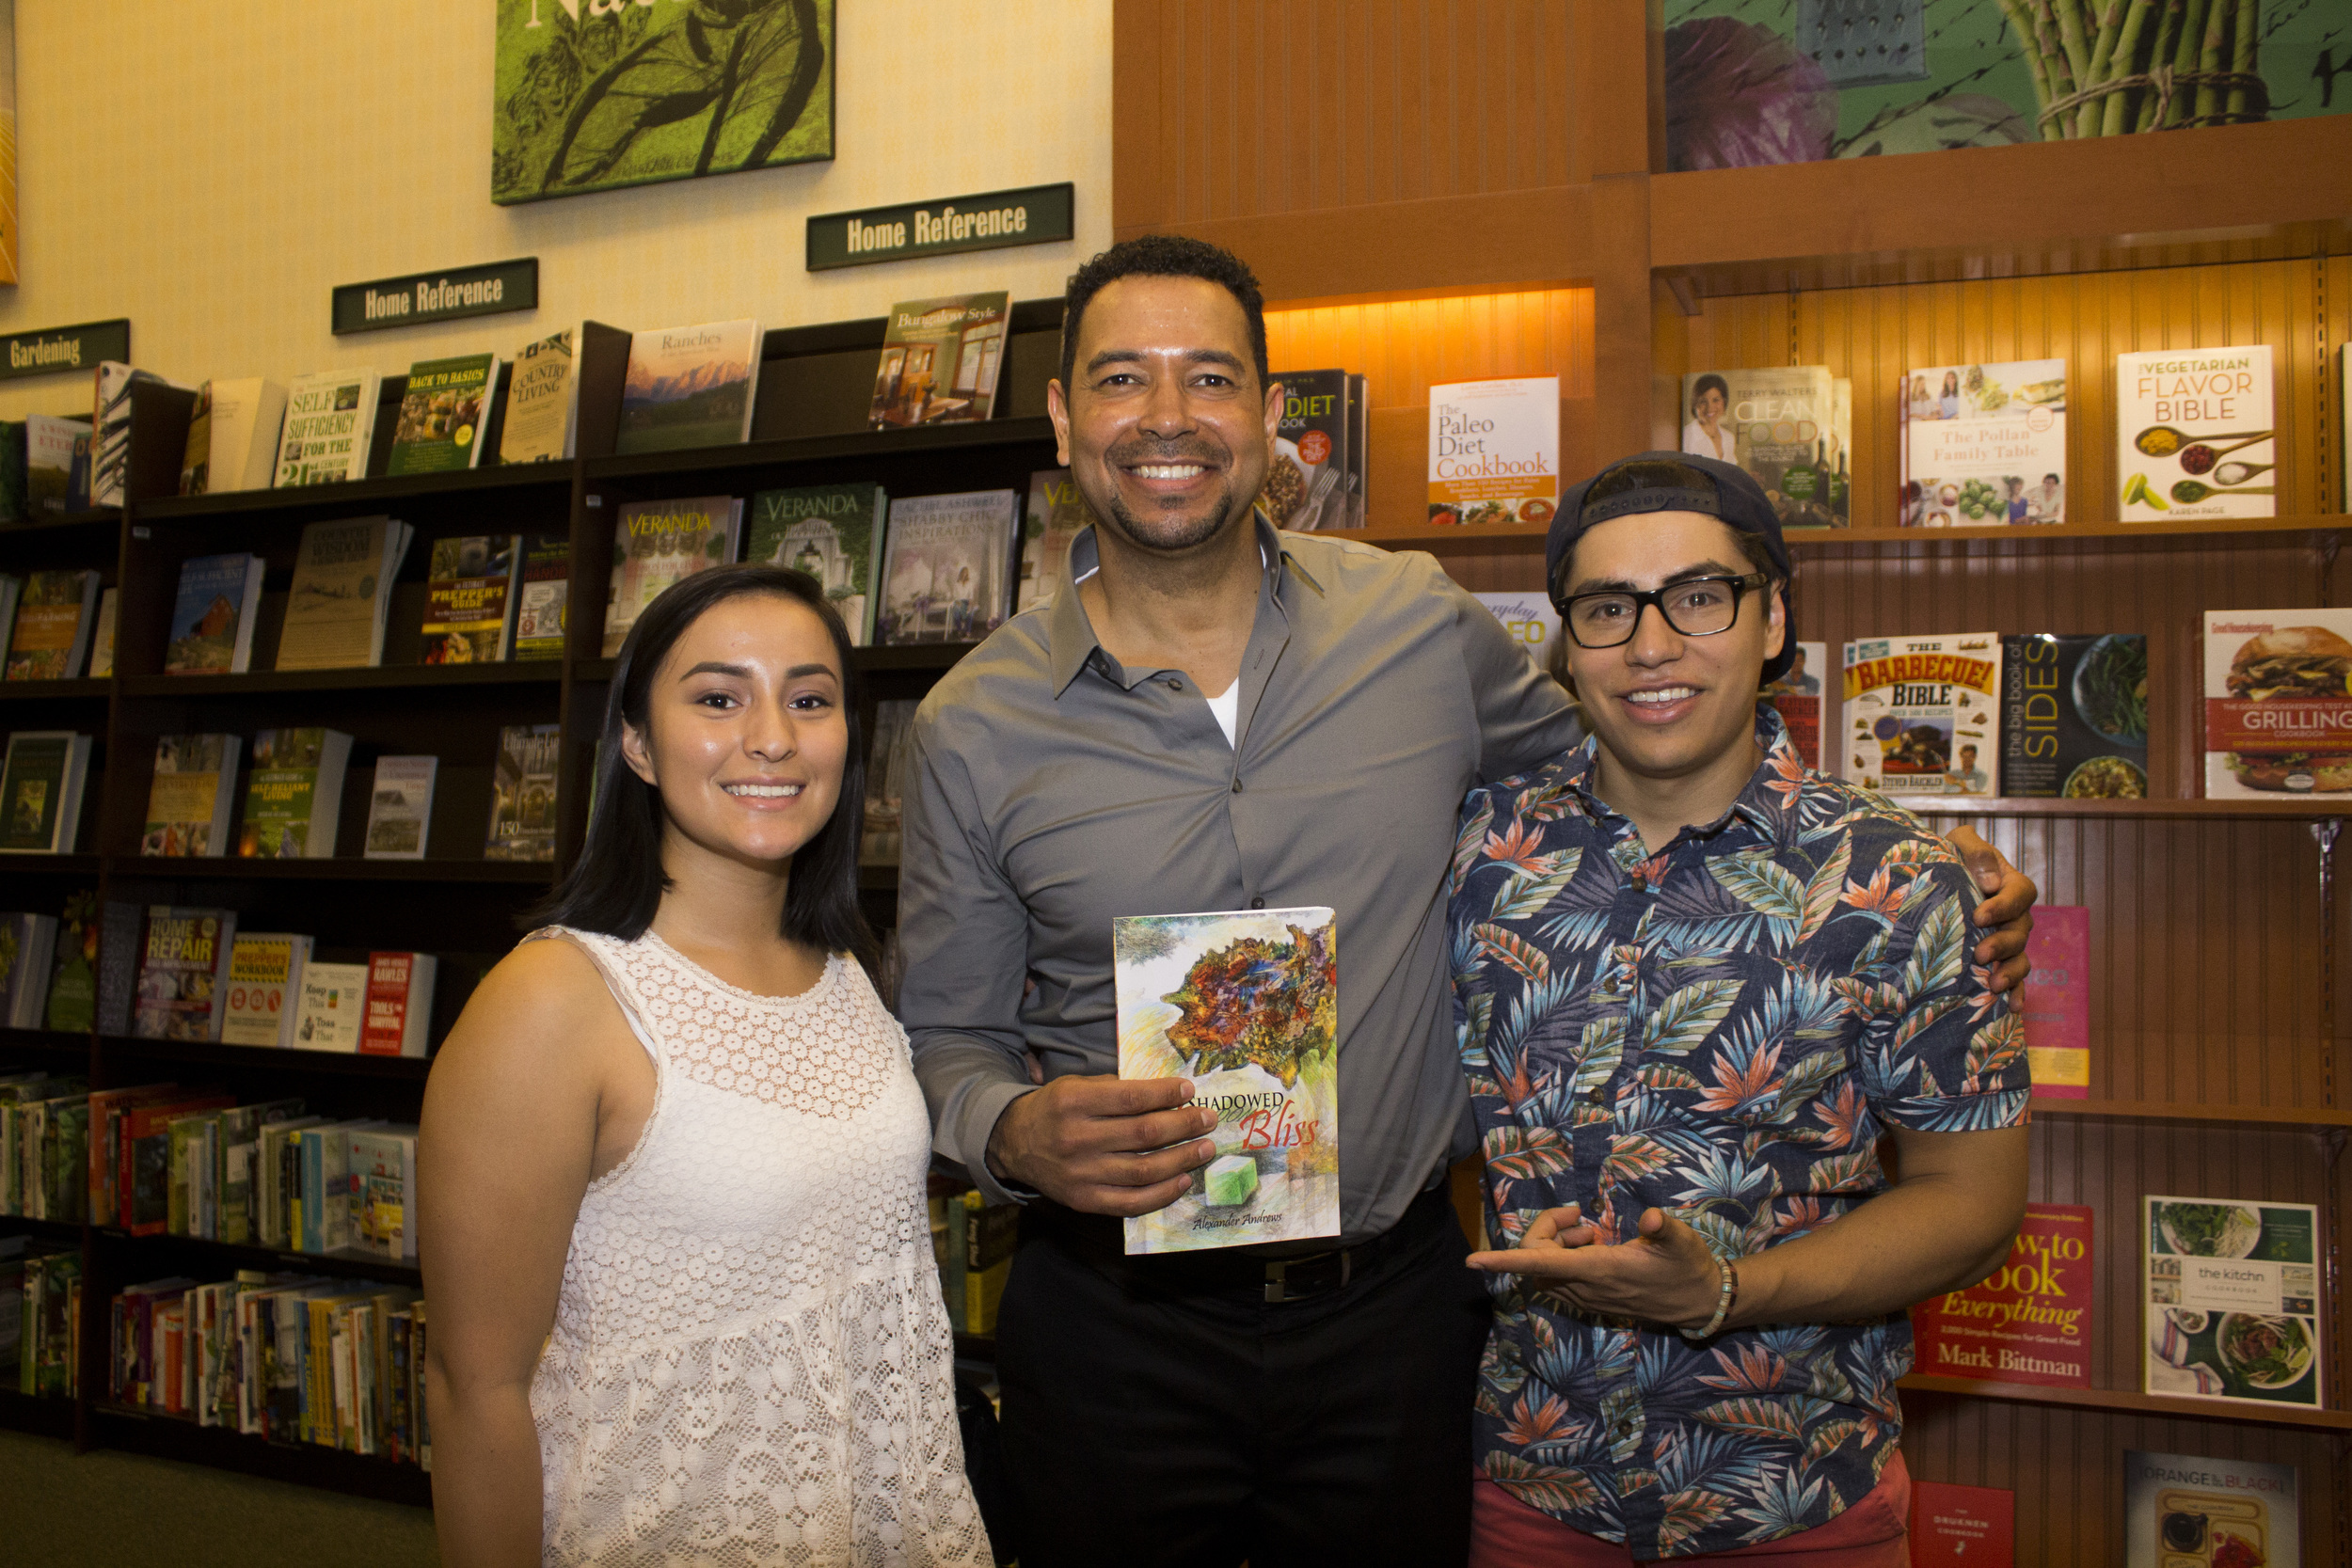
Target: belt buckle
x=1278 y=1276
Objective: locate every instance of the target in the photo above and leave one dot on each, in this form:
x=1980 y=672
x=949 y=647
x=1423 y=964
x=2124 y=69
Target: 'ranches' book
x=2030 y=1323
x=946 y=568
x=294 y=796
x=656 y=544
x=1245 y=1004
x=941 y=360
x=688 y=387
x=211 y=620
x=468 y=598
x=188 y=798
x=41 y=792
x=2277 y=704
x=330 y=423
x=2194 y=434
x=2074 y=716
x=834 y=532
x=184 y=960
x=2231 y=1300
x=1921 y=715
x=440 y=416
x=1494 y=450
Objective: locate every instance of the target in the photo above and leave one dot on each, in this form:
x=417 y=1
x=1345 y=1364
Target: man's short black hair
x=1163 y=256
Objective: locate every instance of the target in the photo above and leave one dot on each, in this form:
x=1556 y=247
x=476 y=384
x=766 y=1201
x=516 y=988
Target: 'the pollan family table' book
x=1982 y=445
x=1245 y=1004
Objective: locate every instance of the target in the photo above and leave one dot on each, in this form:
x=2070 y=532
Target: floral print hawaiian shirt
x=1722 y=1030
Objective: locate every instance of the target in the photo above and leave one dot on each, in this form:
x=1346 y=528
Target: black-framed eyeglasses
x=1695 y=607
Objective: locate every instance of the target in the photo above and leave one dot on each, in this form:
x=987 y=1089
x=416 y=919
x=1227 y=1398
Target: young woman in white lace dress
x=672 y=1217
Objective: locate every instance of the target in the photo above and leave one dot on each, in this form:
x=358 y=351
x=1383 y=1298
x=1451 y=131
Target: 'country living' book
x=1922 y=715
x=1494 y=450
x=542 y=589
x=183 y=962
x=190 y=794
x=1529 y=619
x=341 y=593
x=2074 y=716
x=233 y=440
x=1057 y=512
x=1982 y=445
x=2185 y=1511
x=1310 y=478
x=211 y=619
x=542 y=401
x=2194 y=434
x=41 y=792
x=2277 y=704
x=2230 y=1294
x=441 y=419
x=523 y=793
x=2055 y=1002
x=294 y=797
x=264 y=988
x=468 y=598
x=55 y=616
x=1780 y=424
x=946 y=568
x=330 y=423
x=656 y=544
x=942 y=360
x=400 y=808
x=1243 y=1002
x=1803 y=707
x=688 y=387
x=2030 y=1323
x=834 y=532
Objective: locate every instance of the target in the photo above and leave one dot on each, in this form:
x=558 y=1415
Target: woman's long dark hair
x=616 y=885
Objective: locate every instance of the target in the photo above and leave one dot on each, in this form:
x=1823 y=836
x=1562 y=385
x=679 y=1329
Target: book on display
x=329 y=426
x=400 y=808
x=2194 y=435
x=27 y=944
x=1803 y=707
x=1779 y=424
x=341 y=593
x=688 y=387
x=184 y=961
x=2074 y=716
x=1973 y=1526
x=2277 y=704
x=264 y=988
x=469 y=598
x=1529 y=619
x=73 y=1006
x=110 y=429
x=2031 y=1321
x=212 y=618
x=2230 y=1293
x=233 y=437
x=50 y=447
x=294 y=794
x=942 y=360
x=542 y=401
x=543 y=585
x=400 y=1003
x=1494 y=450
x=334 y=1007
x=2055 y=1001
x=834 y=532
x=189 y=796
x=1308 y=484
x=441 y=419
x=2185 y=1511
x=1983 y=445
x=1921 y=715
x=656 y=544
x=1056 y=514
x=946 y=565
x=102 y=645
x=523 y=793
x=41 y=792
x=55 y=613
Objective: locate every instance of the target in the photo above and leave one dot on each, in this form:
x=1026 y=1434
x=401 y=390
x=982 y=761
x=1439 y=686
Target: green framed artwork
x=591 y=95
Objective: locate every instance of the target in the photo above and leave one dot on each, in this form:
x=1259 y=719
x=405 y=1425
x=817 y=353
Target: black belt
x=1101 y=1239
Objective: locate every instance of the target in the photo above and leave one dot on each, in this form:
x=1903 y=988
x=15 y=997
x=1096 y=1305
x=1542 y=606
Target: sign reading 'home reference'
x=436 y=297
x=65 y=348
x=996 y=220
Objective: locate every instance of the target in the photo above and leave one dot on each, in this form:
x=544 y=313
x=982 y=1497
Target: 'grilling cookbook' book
x=1244 y=1003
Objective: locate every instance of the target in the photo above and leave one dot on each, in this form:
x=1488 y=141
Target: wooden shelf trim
x=357 y=679
x=215 y=1053
x=2310 y=1118
x=2287 y=808
x=2131 y=1402
x=347 y=1263
x=1531 y=536
x=329 y=870
x=35 y=692
x=877 y=445
x=383 y=490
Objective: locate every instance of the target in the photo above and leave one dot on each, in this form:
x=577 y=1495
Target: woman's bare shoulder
x=542 y=997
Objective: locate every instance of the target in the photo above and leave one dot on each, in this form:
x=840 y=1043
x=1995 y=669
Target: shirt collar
x=1071 y=642
x=1758 y=803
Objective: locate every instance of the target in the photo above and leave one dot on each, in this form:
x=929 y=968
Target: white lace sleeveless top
x=751 y=1361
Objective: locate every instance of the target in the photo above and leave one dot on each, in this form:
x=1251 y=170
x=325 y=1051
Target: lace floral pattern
x=750 y=1362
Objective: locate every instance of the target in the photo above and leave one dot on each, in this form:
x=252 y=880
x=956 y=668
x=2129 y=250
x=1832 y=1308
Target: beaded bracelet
x=1725 y=1299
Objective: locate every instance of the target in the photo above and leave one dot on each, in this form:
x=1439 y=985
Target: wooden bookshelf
x=2254 y=1412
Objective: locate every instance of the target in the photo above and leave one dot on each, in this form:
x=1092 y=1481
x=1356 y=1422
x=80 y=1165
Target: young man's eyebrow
x=1626 y=585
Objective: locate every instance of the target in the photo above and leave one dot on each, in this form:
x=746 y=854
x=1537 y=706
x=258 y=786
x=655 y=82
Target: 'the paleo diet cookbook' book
x=1244 y=1003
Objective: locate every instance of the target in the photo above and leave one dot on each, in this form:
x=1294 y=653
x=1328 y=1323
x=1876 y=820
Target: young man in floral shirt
x=1695 y=984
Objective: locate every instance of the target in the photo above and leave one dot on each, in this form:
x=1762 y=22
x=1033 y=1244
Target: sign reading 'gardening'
x=65 y=348
x=995 y=221
x=434 y=297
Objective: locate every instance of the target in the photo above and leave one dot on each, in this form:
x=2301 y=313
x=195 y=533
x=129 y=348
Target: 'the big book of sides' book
x=1244 y=1003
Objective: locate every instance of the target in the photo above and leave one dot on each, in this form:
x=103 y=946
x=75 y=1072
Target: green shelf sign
x=994 y=220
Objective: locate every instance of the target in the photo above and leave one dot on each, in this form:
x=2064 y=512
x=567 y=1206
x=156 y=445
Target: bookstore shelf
x=2320 y=528
x=73 y=691
x=231 y=1255
x=213 y=1053
x=52 y=865
x=356 y=678
x=330 y=869
x=54 y=1231
x=41 y=1040
x=718 y=463
x=387 y=492
x=2248 y=1412
x=43 y=1417
x=2291 y=809
x=164 y=1436
x=2321 y=1119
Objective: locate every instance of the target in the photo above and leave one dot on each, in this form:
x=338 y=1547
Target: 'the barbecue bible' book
x=2277 y=704
x=1921 y=715
x=941 y=360
x=2194 y=434
x=2074 y=716
x=688 y=387
x=656 y=544
x=1243 y=1002
x=330 y=425
x=834 y=532
x=2185 y=1511
x=946 y=567
x=1494 y=450
x=2055 y=1002
x=2229 y=1291
x=2030 y=1323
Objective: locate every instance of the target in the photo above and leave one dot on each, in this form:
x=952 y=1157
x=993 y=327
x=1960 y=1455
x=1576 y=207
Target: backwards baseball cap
x=1669 y=482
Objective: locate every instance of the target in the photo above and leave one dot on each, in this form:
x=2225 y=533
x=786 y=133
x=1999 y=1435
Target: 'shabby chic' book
x=1245 y=1004
x=183 y=959
x=2031 y=1321
x=946 y=567
x=400 y=808
x=294 y=796
x=656 y=544
x=2277 y=704
x=41 y=791
x=53 y=618
x=341 y=593
x=542 y=401
x=522 y=794
x=834 y=532
x=468 y=598
x=542 y=591
x=2194 y=435
x=941 y=360
x=188 y=798
x=2055 y=1002
x=1921 y=715
x=2185 y=1511
x=330 y=423
x=2074 y=716
x=211 y=619
x=264 y=988
x=2229 y=1291
x=1803 y=705
x=688 y=387
x=1983 y=445
x=1057 y=512
x=441 y=419
x=1494 y=450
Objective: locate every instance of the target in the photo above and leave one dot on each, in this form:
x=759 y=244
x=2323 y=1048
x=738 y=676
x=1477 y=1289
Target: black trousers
x=1158 y=1411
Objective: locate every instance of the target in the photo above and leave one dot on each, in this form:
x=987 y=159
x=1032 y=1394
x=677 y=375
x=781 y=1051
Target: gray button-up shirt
x=1053 y=789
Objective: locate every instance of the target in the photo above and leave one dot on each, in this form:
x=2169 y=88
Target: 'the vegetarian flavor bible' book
x=1243 y=1002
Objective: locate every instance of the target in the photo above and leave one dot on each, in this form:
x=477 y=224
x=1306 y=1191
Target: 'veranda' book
x=941 y=362
x=946 y=567
x=656 y=544
x=688 y=387
x=211 y=620
x=1494 y=450
x=834 y=532
x=2195 y=435
x=1983 y=445
x=1922 y=715
x=441 y=419
x=2031 y=1321
x=1243 y=1002
x=330 y=423
x=1057 y=512
x=2185 y=1511
x=2231 y=1300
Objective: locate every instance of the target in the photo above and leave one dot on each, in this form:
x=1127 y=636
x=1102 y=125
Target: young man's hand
x=2008 y=910
x=1665 y=1275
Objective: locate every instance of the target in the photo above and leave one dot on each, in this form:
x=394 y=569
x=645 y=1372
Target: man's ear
x=1776 y=629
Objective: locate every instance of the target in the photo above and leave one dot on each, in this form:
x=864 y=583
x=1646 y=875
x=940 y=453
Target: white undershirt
x=1227 y=710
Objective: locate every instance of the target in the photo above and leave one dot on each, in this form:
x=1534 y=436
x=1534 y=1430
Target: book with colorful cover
x=400 y=808
x=543 y=590
x=341 y=593
x=2074 y=716
x=400 y=1003
x=233 y=437
x=1803 y=706
x=688 y=387
x=211 y=620
x=73 y=1004
x=1922 y=715
x=523 y=793
x=49 y=445
x=1529 y=619
x=441 y=418
x=189 y=796
x=1983 y=445
x=2231 y=1300
x=55 y=616
x=334 y=1007
x=2055 y=1002
x=330 y=425
x=1243 y=1002
x=1494 y=450
x=2185 y=1511
x=834 y=532
x=383 y=1166
x=101 y=643
x=1308 y=477
x=1973 y=1526
x=42 y=786
x=1778 y=423
x=184 y=961
x=946 y=567
x=2277 y=704
x=542 y=401
x=1056 y=514
x=2195 y=435
x=264 y=988
x=293 y=797
x=656 y=544
x=942 y=360
x=2031 y=1321
x=468 y=598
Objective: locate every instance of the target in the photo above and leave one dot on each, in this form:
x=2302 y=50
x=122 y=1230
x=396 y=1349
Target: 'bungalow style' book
x=440 y=417
x=942 y=360
x=656 y=544
x=688 y=387
x=946 y=567
x=2195 y=434
x=1922 y=715
x=2231 y=1300
x=211 y=620
x=1983 y=445
x=834 y=532
x=1243 y=1002
x=2185 y=1511
x=1494 y=450
x=2030 y=1323
x=331 y=425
